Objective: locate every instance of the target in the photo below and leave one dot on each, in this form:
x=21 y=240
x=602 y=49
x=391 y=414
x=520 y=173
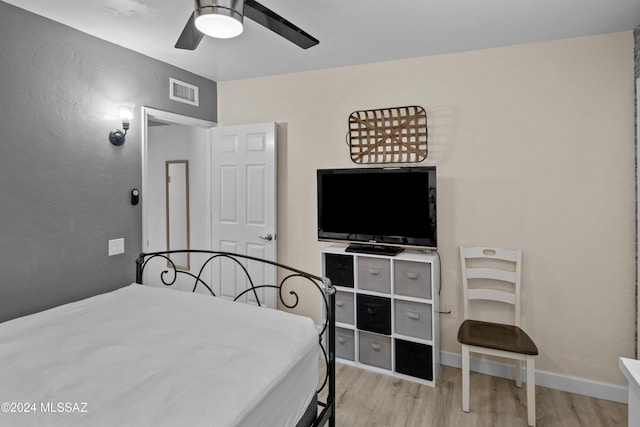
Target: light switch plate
x=116 y=246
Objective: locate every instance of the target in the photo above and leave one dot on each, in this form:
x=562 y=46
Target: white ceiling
x=350 y=31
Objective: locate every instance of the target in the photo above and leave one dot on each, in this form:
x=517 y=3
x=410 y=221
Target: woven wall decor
x=388 y=135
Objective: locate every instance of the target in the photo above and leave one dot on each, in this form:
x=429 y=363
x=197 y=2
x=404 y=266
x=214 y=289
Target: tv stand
x=374 y=249
x=386 y=311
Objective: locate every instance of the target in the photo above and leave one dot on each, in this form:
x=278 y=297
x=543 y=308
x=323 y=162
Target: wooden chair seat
x=497 y=336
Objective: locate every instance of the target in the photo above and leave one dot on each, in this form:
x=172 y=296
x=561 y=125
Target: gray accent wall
x=64 y=189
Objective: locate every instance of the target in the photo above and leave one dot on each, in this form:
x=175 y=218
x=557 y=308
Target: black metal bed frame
x=170 y=274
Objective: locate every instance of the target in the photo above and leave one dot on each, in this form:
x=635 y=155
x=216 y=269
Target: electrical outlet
x=449 y=311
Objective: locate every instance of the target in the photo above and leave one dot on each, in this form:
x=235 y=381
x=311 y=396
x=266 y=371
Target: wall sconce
x=117 y=136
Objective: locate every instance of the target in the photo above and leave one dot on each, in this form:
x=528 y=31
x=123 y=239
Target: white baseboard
x=567 y=383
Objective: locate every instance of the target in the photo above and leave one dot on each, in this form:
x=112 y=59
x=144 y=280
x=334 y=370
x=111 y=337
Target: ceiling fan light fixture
x=221 y=19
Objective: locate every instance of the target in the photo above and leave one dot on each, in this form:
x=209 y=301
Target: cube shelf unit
x=386 y=311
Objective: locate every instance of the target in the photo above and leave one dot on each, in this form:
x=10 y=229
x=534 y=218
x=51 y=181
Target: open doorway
x=171 y=139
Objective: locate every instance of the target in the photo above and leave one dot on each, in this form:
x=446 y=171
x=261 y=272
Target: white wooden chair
x=495 y=339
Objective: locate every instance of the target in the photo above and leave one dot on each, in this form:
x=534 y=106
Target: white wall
x=534 y=149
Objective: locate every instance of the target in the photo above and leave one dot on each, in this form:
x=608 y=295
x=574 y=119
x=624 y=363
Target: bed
x=153 y=356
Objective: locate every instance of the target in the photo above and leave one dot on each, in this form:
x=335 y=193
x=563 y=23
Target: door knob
x=267 y=237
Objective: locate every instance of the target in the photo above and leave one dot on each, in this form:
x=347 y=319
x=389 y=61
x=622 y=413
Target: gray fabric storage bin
x=375 y=350
x=413 y=319
x=345 y=344
x=374 y=274
x=413 y=279
x=345 y=307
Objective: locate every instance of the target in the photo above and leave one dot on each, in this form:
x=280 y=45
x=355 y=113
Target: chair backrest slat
x=483 y=277
x=491 y=273
x=490 y=253
x=492 y=295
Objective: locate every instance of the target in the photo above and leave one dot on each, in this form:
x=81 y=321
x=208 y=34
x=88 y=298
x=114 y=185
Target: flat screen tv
x=378 y=209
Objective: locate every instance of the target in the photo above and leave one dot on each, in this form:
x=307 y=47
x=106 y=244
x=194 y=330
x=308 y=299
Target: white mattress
x=143 y=356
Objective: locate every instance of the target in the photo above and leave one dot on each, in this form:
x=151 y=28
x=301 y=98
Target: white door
x=243 y=184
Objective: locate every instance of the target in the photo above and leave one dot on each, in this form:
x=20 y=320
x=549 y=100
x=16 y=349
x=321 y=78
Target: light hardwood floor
x=364 y=398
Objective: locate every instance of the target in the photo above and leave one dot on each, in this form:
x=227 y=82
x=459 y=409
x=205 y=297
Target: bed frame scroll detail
x=170 y=274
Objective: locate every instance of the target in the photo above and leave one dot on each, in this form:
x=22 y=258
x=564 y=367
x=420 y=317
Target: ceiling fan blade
x=276 y=23
x=190 y=37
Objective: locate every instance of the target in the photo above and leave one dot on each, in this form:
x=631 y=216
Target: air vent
x=183 y=92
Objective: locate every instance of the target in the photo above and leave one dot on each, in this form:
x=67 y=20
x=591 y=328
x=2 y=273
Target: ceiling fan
x=223 y=19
